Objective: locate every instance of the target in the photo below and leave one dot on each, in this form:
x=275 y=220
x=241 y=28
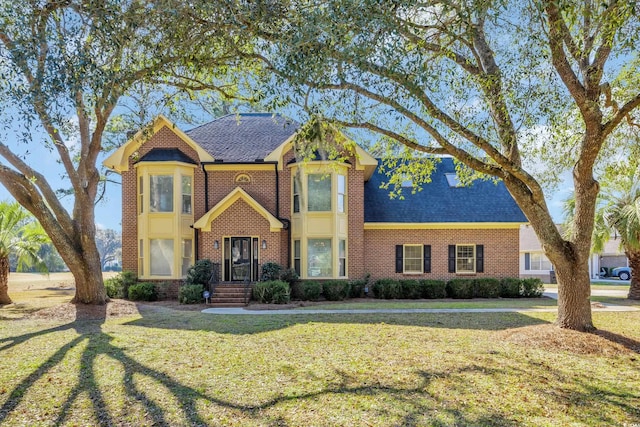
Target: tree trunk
x=4 y=281
x=634 y=263
x=574 y=290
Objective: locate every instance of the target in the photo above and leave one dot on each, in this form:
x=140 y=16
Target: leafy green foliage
x=272 y=292
x=358 y=287
x=271 y=271
x=336 y=290
x=190 y=294
x=118 y=286
x=460 y=288
x=486 y=287
x=433 y=289
x=532 y=288
x=510 y=287
x=311 y=290
x=387 y=289
x=143 y=291
x=199 y=273
x=410 y=289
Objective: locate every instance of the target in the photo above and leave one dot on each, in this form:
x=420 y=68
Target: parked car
x=623 y=273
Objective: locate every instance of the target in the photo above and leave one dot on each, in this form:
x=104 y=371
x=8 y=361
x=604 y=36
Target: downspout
x=287 y=223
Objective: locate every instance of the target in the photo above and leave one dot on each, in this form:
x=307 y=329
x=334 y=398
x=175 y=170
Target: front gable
x=238 y=193
x=119 y=160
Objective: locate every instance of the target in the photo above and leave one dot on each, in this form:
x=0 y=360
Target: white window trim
x=404 y=259
x=473 y=262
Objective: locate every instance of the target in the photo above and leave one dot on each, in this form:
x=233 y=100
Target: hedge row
x=458 y=288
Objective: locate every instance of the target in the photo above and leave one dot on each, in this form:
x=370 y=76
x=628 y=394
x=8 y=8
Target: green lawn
x=179 y=368
x=476 y=303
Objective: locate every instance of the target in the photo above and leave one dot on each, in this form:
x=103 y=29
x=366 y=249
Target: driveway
x=553 y=292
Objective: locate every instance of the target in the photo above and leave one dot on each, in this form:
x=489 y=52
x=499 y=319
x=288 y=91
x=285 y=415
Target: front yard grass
x=170 y=367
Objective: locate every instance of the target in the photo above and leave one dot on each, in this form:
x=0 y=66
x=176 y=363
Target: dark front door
x=240 y=258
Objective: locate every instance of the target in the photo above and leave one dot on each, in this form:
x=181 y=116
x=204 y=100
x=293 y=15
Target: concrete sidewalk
x=244 y=311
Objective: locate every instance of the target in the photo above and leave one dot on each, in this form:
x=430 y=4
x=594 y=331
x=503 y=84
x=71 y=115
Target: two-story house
x=234 y=191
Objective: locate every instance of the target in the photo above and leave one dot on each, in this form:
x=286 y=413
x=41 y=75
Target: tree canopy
x=495 y=84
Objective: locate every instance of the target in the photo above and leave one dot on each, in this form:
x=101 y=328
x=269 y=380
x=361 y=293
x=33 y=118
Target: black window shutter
x=452 y=258
x=427 y=258
x=399 y=253
x=479 y=258
x=527 y=261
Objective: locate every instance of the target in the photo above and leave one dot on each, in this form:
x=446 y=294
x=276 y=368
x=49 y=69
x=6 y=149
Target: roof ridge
x=249 y=114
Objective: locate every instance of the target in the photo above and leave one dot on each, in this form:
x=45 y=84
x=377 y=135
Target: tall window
x=161 y=257
x=141 y=258
x=141 y=196
x=319 y=197
x=342 y=191
x=296 y=193
x=296 y=256
x=186 y=256
x=161 y=193
x=186 y=194
x=319 y=258
x=342 y=258
x=465 y=258
x=413 y=260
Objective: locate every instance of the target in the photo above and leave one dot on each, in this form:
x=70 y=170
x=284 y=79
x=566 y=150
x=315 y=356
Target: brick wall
x=501 y=251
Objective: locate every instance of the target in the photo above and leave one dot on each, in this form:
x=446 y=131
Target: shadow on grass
x=190 y=400
x=254 y=324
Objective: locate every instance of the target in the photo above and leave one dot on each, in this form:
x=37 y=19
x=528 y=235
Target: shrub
x=143 y=291
x=487 y=287
x=531 y=288
x=118 y=285
x=460 y=288
x=190 y=294
x=336 y=290
x=410 y=289
x=199 y=273
x=271 y=271
x=433 y=288
x=288 y=275
x=310 y=290
x=510 y=287
x=273 y=291
x=357 y=288
x=387 y=289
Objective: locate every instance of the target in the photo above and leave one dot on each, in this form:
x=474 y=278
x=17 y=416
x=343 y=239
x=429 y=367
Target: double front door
x=240 y=259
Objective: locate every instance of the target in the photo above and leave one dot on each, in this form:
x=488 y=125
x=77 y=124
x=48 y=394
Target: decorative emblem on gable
x=243 y=178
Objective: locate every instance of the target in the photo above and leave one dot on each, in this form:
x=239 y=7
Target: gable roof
x=238 y=193
x=119 y=159
x=243 y=137
x=480 y=202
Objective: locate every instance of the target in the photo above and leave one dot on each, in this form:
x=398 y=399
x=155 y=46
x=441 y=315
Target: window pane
x=319 y=193
x=319 y=257
x=187 y=250
x=465 y=259
x=342 y=258
x=296 y=256
x=341 y=192
x=186 y=194
x=141 y=197
x=413 y=259
x=161 y=193
x=296 y=194
x=539 y=262
x=161 y=257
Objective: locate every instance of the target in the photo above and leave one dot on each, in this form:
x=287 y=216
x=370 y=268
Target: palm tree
x=616 y=213
x=623 y=216
x=22 y=236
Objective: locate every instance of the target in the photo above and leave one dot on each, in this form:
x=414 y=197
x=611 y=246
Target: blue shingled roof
x=243 y=137
x=166 y=154
x=482 y=201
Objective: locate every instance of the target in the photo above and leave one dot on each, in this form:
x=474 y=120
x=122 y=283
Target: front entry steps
x=229 y=295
